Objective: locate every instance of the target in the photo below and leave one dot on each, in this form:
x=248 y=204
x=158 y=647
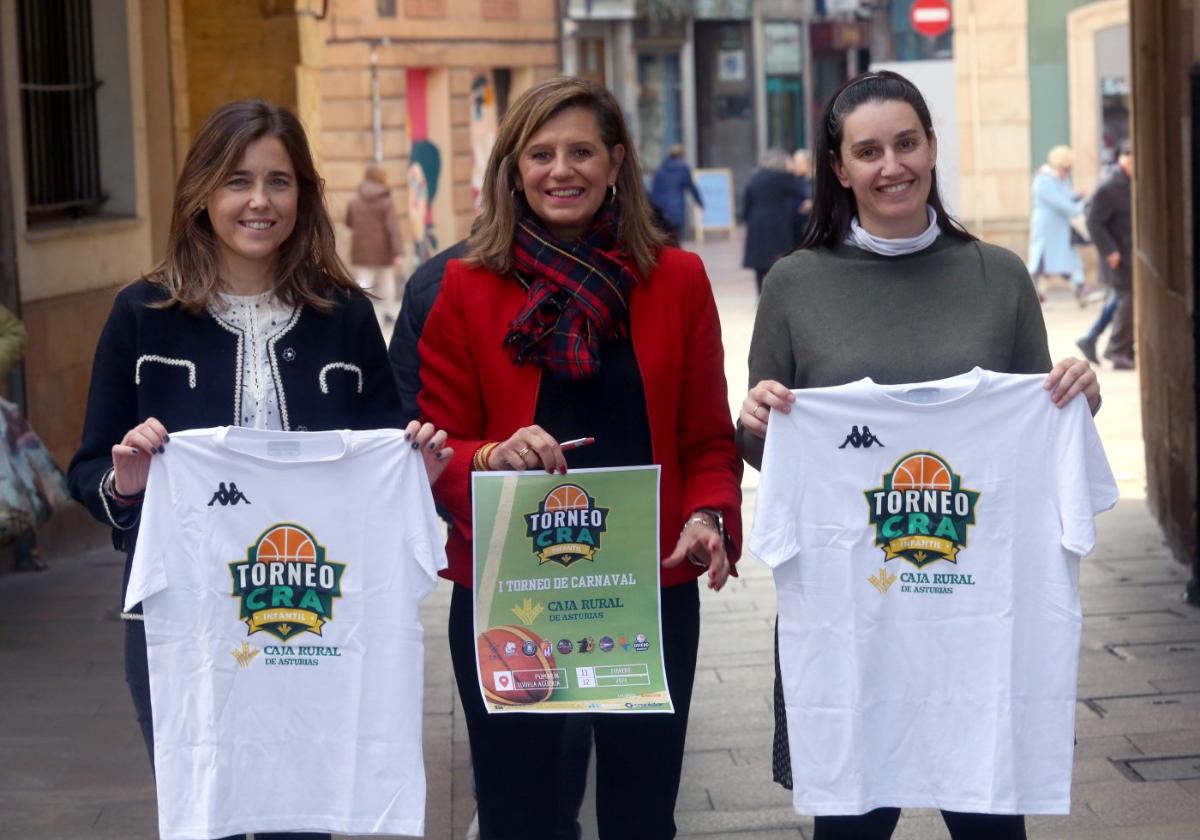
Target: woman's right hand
x=529 y=447
x=131 y=457
x=760 y=399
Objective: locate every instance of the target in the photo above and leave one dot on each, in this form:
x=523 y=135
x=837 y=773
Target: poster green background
x=629 y=545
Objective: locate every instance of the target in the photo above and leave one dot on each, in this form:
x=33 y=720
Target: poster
x=567 y=611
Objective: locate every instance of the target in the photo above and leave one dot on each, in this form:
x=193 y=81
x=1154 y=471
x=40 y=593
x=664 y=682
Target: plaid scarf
x=577 y=295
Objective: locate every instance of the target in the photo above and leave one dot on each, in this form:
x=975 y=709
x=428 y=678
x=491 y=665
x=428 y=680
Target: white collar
x=860 y=238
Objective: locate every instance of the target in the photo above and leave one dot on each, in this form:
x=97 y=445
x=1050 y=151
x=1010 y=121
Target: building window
x=385 y=8
x=500 y=9
x=425 y=8
x=58 y=88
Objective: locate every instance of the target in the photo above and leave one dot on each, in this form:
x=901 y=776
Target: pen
x=568 y=445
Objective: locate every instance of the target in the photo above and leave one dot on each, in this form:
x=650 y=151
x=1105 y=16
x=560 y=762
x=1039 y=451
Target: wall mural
x=424 y=167
x=483 y=129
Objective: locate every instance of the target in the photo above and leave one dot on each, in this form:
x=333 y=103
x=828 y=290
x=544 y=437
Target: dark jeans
x=1106 y=316
x=880 y=823
x=137 y=675
x=517 y=757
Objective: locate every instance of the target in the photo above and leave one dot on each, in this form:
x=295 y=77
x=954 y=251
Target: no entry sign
x=930 y=18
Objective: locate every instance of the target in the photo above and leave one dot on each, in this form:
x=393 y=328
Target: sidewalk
x=72 y=764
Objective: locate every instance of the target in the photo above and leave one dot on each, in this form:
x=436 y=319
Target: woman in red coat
x=570 y=318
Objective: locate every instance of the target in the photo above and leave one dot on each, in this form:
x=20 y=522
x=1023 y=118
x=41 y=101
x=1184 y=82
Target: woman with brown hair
x=570 y=318
x=251 y=320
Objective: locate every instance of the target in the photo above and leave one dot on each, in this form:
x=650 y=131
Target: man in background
x=1110 y=224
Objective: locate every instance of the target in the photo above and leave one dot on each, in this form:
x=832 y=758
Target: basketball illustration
x=514 y=679
x=286 y=544
x=921 y=472
x=566 y=497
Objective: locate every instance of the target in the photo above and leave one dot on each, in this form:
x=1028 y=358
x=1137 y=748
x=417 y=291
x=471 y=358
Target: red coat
x=473 y=390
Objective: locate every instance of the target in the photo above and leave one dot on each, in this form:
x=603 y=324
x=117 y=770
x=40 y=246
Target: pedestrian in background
x=376 y=248
x=771 y=202
x=802 y=169
x=1110 y=224
x=672 y=182
x=32 y=486
x=881 y=251
x=512 y=362
x=1051 y=239
x=197 y=343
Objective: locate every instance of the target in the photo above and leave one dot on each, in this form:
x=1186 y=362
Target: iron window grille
x=58 y=109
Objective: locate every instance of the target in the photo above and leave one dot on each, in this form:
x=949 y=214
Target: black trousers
x=880 y=823
x=639 y=757
x=1120 y=340
x=137 y=675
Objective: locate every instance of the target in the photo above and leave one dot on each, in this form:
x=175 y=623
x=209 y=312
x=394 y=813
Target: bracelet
x=702 y=518
x=479 y=463
x=110 y=488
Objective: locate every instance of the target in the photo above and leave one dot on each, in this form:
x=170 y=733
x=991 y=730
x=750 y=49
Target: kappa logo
x=230 y=495
x=567 y=526
x=922 y=511
x=861 y=440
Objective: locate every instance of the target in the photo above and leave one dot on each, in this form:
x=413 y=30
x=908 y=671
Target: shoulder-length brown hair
x=491 y=239
x=308 y=270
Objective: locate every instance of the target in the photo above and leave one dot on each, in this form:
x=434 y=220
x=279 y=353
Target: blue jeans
x=1106 y=316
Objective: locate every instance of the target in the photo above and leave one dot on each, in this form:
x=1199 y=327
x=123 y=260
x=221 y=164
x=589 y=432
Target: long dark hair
x=834 y=205
x=308 y=270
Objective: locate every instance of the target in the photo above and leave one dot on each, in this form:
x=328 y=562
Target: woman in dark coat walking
x=772 y=198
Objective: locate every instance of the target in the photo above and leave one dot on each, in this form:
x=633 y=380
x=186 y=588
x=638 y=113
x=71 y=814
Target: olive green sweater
x=832 y=317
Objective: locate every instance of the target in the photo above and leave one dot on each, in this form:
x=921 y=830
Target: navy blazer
x=331 y=371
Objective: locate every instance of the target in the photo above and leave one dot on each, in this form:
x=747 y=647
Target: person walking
x=376 y=248
x=802 y=169
x=672 y=182
x=570 y=318
x=1055 y=203
x=1110 y=224
x=241 y=324
x=882 y=252
x=772 y=200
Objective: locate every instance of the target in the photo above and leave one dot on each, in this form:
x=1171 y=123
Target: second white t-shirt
x=926 y=542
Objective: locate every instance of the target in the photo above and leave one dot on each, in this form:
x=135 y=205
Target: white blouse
x=258 y=319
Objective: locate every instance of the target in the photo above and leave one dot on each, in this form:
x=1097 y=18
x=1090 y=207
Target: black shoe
x=1087 y=346
x=1122 y=362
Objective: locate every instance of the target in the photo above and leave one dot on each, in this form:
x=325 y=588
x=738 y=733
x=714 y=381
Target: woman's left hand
x=432 y=443
x=702 y=545
x=1071 y=377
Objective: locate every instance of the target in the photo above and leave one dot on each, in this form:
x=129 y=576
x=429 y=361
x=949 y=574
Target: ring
x=523 y=452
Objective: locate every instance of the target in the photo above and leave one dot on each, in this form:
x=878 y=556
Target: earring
x=613 y=190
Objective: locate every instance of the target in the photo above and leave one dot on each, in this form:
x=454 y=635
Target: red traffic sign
x=930 y=18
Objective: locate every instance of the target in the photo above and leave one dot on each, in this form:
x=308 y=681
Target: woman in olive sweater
x=887 y=285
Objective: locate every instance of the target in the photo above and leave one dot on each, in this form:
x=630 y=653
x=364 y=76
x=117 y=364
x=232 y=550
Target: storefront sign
x=783 y=52
x=724 y=9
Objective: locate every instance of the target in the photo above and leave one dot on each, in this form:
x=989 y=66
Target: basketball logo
x=284 y=585
x=567 y=526
x=921 y=512
x=510 y=679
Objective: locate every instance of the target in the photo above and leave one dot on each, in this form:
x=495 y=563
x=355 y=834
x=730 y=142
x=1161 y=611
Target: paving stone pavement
x=72 y=764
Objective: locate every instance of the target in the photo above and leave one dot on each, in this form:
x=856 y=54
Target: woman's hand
x=530 y=447
x=432 y=443
x=131 y=457
x=702 y=545
x=760 y=399
x=1070 y=377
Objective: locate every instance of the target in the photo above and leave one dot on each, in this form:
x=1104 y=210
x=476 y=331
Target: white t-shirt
x=280 y=574
x=926 y=541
